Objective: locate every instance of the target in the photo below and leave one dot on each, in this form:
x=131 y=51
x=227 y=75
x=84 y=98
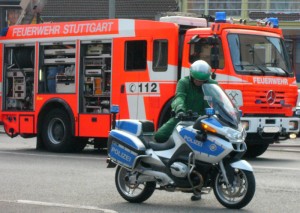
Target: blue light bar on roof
x=4 y=31
x=220 y=17
x=273 y=22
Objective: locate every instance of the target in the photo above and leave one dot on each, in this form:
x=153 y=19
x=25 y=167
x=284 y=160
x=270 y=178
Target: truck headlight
x=245 y=125
x=293 y=125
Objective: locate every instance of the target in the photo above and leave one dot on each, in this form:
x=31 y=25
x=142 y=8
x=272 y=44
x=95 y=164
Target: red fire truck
x=59 y=80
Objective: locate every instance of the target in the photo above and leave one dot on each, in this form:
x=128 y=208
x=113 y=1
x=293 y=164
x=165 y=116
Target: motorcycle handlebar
x=187 y=116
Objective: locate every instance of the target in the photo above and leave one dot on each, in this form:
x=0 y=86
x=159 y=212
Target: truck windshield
x=259 y=55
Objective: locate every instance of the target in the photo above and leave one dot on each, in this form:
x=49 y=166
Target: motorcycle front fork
x=222 y=167
x=230 y=183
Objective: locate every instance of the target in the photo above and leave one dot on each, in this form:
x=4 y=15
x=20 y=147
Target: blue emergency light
x=114 y=109
x=220 y=17
x=4 y=31
x=273 y=22
x=209 y=111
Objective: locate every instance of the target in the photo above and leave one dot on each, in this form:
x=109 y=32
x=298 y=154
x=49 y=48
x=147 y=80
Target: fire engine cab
x=251 y=64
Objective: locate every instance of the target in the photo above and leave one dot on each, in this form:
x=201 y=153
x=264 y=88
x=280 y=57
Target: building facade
x=9 y=12
x=74 y=10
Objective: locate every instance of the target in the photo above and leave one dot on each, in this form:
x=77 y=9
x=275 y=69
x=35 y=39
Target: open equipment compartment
x=19 y=76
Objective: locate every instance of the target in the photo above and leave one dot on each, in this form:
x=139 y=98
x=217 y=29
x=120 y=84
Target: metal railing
x=240 y=7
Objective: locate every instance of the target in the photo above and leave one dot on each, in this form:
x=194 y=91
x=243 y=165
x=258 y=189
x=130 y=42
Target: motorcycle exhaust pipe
x=150 y=175
x=199 y=187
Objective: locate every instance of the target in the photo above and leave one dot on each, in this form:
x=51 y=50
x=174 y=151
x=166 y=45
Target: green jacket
x=189 y=97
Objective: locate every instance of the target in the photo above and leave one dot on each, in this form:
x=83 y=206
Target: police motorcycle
x=202 y=154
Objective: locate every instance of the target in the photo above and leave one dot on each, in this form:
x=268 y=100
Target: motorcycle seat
x=135 y=127
x=147 y=126
x=169 y=144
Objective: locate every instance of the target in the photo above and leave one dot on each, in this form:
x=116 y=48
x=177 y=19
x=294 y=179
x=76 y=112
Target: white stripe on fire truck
x=126 y=28
x=136 y=107
x=221 y=78
x=169 y=75
x=228 y=79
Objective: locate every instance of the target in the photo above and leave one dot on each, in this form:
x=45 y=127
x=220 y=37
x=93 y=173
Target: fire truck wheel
x=255 y=150
x=56 y=131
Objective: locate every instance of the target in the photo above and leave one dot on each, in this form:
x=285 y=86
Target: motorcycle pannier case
x=125 y=146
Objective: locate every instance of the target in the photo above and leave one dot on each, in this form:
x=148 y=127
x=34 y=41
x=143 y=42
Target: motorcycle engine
x=179 y=169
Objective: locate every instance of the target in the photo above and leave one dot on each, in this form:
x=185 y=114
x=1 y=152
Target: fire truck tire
x=56 y=131
x=255 y=150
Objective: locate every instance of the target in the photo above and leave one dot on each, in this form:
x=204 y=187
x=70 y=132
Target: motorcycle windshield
x=220 y=102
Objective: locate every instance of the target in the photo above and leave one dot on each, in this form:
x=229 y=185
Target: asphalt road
x=39 y=181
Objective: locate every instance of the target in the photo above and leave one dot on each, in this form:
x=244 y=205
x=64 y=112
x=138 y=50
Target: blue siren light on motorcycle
x=209 y=111
x=114 y=109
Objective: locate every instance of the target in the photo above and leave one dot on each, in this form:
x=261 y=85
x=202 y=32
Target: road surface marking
x=40 y=203
x=276 y=168
x=42 y=154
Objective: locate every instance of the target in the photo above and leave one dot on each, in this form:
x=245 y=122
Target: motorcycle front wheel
x=239 y=193
x=132 y=192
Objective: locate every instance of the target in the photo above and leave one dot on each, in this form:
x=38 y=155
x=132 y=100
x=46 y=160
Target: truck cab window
x=202 y=51
x=135 y=55
x=260 y=55
x=160 y=55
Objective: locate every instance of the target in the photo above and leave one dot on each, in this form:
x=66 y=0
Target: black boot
x=196 y=197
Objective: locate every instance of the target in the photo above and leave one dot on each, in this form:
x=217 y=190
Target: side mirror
x=194 y=39
x=213 y=40
x=214 y=57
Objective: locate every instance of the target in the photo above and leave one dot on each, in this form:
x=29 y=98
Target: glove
x=180 y=115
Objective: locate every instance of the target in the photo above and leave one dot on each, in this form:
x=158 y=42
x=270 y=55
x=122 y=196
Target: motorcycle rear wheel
x=241 y=192
x=134 y=193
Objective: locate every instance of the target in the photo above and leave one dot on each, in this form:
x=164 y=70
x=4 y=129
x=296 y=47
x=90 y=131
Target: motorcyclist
x=189 y=96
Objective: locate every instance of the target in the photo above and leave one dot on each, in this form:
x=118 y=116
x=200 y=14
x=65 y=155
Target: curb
x=287 y=145
x=287 y=149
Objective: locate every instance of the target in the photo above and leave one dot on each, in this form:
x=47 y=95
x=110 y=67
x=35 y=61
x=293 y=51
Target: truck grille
x=269 y=101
